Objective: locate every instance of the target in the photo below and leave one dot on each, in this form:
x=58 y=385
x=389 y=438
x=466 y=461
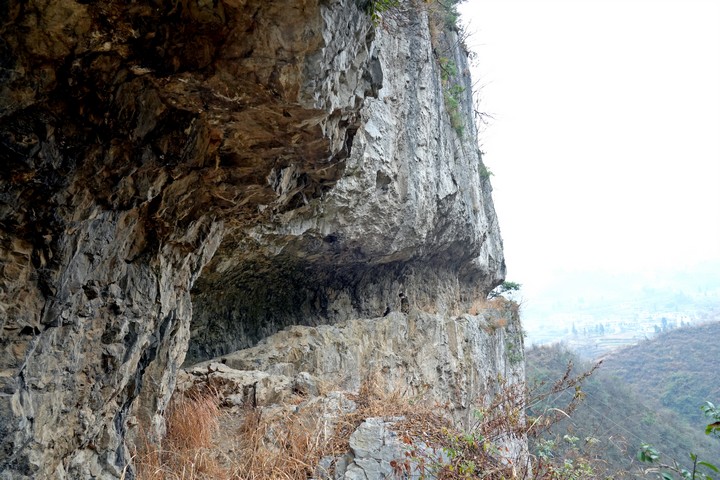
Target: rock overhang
x=286 y=141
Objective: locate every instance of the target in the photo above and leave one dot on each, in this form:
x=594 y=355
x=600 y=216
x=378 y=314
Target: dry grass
x=374 y=399
x=186 y=452
x=285 y=448
x=204 y=443
x=478 y=306
x=283 y=443
x=507 y=308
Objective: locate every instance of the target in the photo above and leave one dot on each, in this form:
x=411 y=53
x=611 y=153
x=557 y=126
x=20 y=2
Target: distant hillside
x=614 y=419
x=596 y=312
x=680 y=368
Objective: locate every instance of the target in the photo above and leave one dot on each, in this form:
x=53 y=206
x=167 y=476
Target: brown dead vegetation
x=204 y=442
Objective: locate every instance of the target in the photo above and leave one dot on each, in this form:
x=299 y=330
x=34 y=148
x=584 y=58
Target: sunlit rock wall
x=411 y=214
x=228 y=167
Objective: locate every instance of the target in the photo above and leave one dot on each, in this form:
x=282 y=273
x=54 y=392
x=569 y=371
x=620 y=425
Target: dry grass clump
x=286 y=447
x=193 y=421
x=479 y=305
x=287 y=442
x=375 y=400
x=204 y=443
x=507 y=308
x=186 y=452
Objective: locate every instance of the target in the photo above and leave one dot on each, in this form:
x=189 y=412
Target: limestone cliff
x=207 y=173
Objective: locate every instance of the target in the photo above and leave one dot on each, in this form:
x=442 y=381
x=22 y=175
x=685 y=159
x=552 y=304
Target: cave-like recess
x=207 y=173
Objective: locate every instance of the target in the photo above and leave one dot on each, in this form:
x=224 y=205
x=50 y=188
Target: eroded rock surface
x=223 y=168
x=452 y=360
x=412 y=214
x=457 y=363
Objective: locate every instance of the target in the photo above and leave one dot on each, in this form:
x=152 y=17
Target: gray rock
x=369 y=439
x=454 y=361
x=379 y=454
x=305 y=385
x=324 y=468
x=209 y=179
x=341 y=466
x=411 y=214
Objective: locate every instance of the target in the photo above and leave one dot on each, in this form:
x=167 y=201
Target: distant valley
x=647 y=393
x=595 y=313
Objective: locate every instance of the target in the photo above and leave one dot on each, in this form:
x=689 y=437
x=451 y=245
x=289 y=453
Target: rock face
x=411 y=214
x=375 y=449
x=451 y=360
x=457 y=362
x=209 y=173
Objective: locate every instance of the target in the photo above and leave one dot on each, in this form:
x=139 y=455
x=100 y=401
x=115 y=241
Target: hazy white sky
x=605 y=146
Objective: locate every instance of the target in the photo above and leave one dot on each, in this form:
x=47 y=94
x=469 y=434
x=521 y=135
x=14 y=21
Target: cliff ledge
x=189 y=178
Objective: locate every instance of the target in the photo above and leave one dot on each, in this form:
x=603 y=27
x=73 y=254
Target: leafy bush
x=713 y=413
x=503 y=288
x=700 y=469
x=452 y=93
x=376 y=8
